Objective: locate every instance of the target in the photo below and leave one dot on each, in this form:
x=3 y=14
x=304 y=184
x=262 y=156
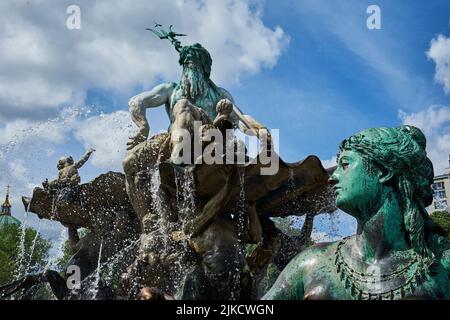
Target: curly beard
x=193 y=83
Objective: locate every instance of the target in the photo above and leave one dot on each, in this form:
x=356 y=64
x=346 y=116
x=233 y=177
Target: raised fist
x=224 y=106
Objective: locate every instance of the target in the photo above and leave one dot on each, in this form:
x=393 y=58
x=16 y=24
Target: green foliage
x=443 y=219
x=61 y=263
x=12 y=262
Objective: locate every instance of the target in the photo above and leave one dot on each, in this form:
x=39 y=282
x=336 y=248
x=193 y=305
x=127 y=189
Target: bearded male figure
x=193 y=99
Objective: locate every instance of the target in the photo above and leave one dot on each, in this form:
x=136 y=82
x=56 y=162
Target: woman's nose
x=332 y=179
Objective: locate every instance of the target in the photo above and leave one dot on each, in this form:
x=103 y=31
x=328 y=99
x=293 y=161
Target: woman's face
x=357 y=189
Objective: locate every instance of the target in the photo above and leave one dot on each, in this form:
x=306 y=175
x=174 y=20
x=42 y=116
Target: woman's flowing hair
x=401 y=152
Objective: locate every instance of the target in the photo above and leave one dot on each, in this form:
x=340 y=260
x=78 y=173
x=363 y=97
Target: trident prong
x=170 y=35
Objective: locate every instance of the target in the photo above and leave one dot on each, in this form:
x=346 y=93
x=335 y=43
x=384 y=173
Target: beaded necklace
x=353 y=279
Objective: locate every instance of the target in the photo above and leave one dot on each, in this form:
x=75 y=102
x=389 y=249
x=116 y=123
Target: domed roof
x=5 y=212
x=6 y=220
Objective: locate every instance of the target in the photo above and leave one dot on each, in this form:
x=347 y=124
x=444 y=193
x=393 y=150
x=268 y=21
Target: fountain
x=173 y=225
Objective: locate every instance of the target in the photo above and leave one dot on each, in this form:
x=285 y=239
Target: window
x=440 y=205
x=440 y=195
x=438 y=185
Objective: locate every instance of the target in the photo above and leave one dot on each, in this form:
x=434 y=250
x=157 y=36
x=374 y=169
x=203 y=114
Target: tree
x=21 y=252
x=443 y=219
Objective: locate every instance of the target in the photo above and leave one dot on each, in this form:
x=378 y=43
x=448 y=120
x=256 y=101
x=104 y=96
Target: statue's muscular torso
x=207 y=102
x=69 y=175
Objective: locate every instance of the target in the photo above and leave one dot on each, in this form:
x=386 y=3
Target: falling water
x=328 y=224
x=53 y=210
x=185 y=196
x=33 y=246
x=92 y=281
x=186 y=208
x=20 y=259
x=158 y=208
x=242 y=207
x=291 y=187
x=241 y=216
x=291 y=180
x=59 y=251
x=115 y=261
x=95 y=286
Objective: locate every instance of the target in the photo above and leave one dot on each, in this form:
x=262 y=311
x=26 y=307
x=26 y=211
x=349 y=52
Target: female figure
x=383 y=179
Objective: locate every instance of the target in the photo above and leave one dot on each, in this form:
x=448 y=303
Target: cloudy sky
x=309 y=68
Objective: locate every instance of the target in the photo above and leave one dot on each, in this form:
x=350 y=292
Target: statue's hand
x=220 y=119
x=135 y=140
x=224 y=107
x=265 y=136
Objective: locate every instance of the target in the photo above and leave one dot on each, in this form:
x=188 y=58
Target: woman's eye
x=344 y=165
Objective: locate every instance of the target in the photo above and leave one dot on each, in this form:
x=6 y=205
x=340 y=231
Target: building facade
x=441 y=192
x=441 y=197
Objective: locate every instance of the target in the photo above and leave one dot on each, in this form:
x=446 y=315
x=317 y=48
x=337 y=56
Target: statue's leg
x=195 y=285
x=57 y=283
x=222 y=261
x=184 y=114
x=25 y=283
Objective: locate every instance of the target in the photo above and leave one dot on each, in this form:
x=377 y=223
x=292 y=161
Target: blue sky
x=319 y=75
x=328 y=83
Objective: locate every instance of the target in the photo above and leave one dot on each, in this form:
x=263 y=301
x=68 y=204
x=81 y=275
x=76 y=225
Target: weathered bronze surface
x=383 y=179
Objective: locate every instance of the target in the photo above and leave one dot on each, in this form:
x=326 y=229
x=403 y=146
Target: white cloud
x=29 y=149
x=24 y=136
x=108 y=135
x=329 y=163
x=439 y=52
x=43 y=64
x=435 y=123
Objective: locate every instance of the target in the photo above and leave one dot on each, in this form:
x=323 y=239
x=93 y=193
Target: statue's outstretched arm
x=83 y=160
x=156 y=97
x=244 y=122
x=250 y=126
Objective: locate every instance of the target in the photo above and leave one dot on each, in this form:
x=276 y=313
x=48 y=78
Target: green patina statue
x=194 y=98
x=383 y=179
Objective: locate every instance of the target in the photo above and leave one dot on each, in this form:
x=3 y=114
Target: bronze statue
x=194 y=98
x=383 y=179
x=210 y=239
x=195 y=221
x=68 y=173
